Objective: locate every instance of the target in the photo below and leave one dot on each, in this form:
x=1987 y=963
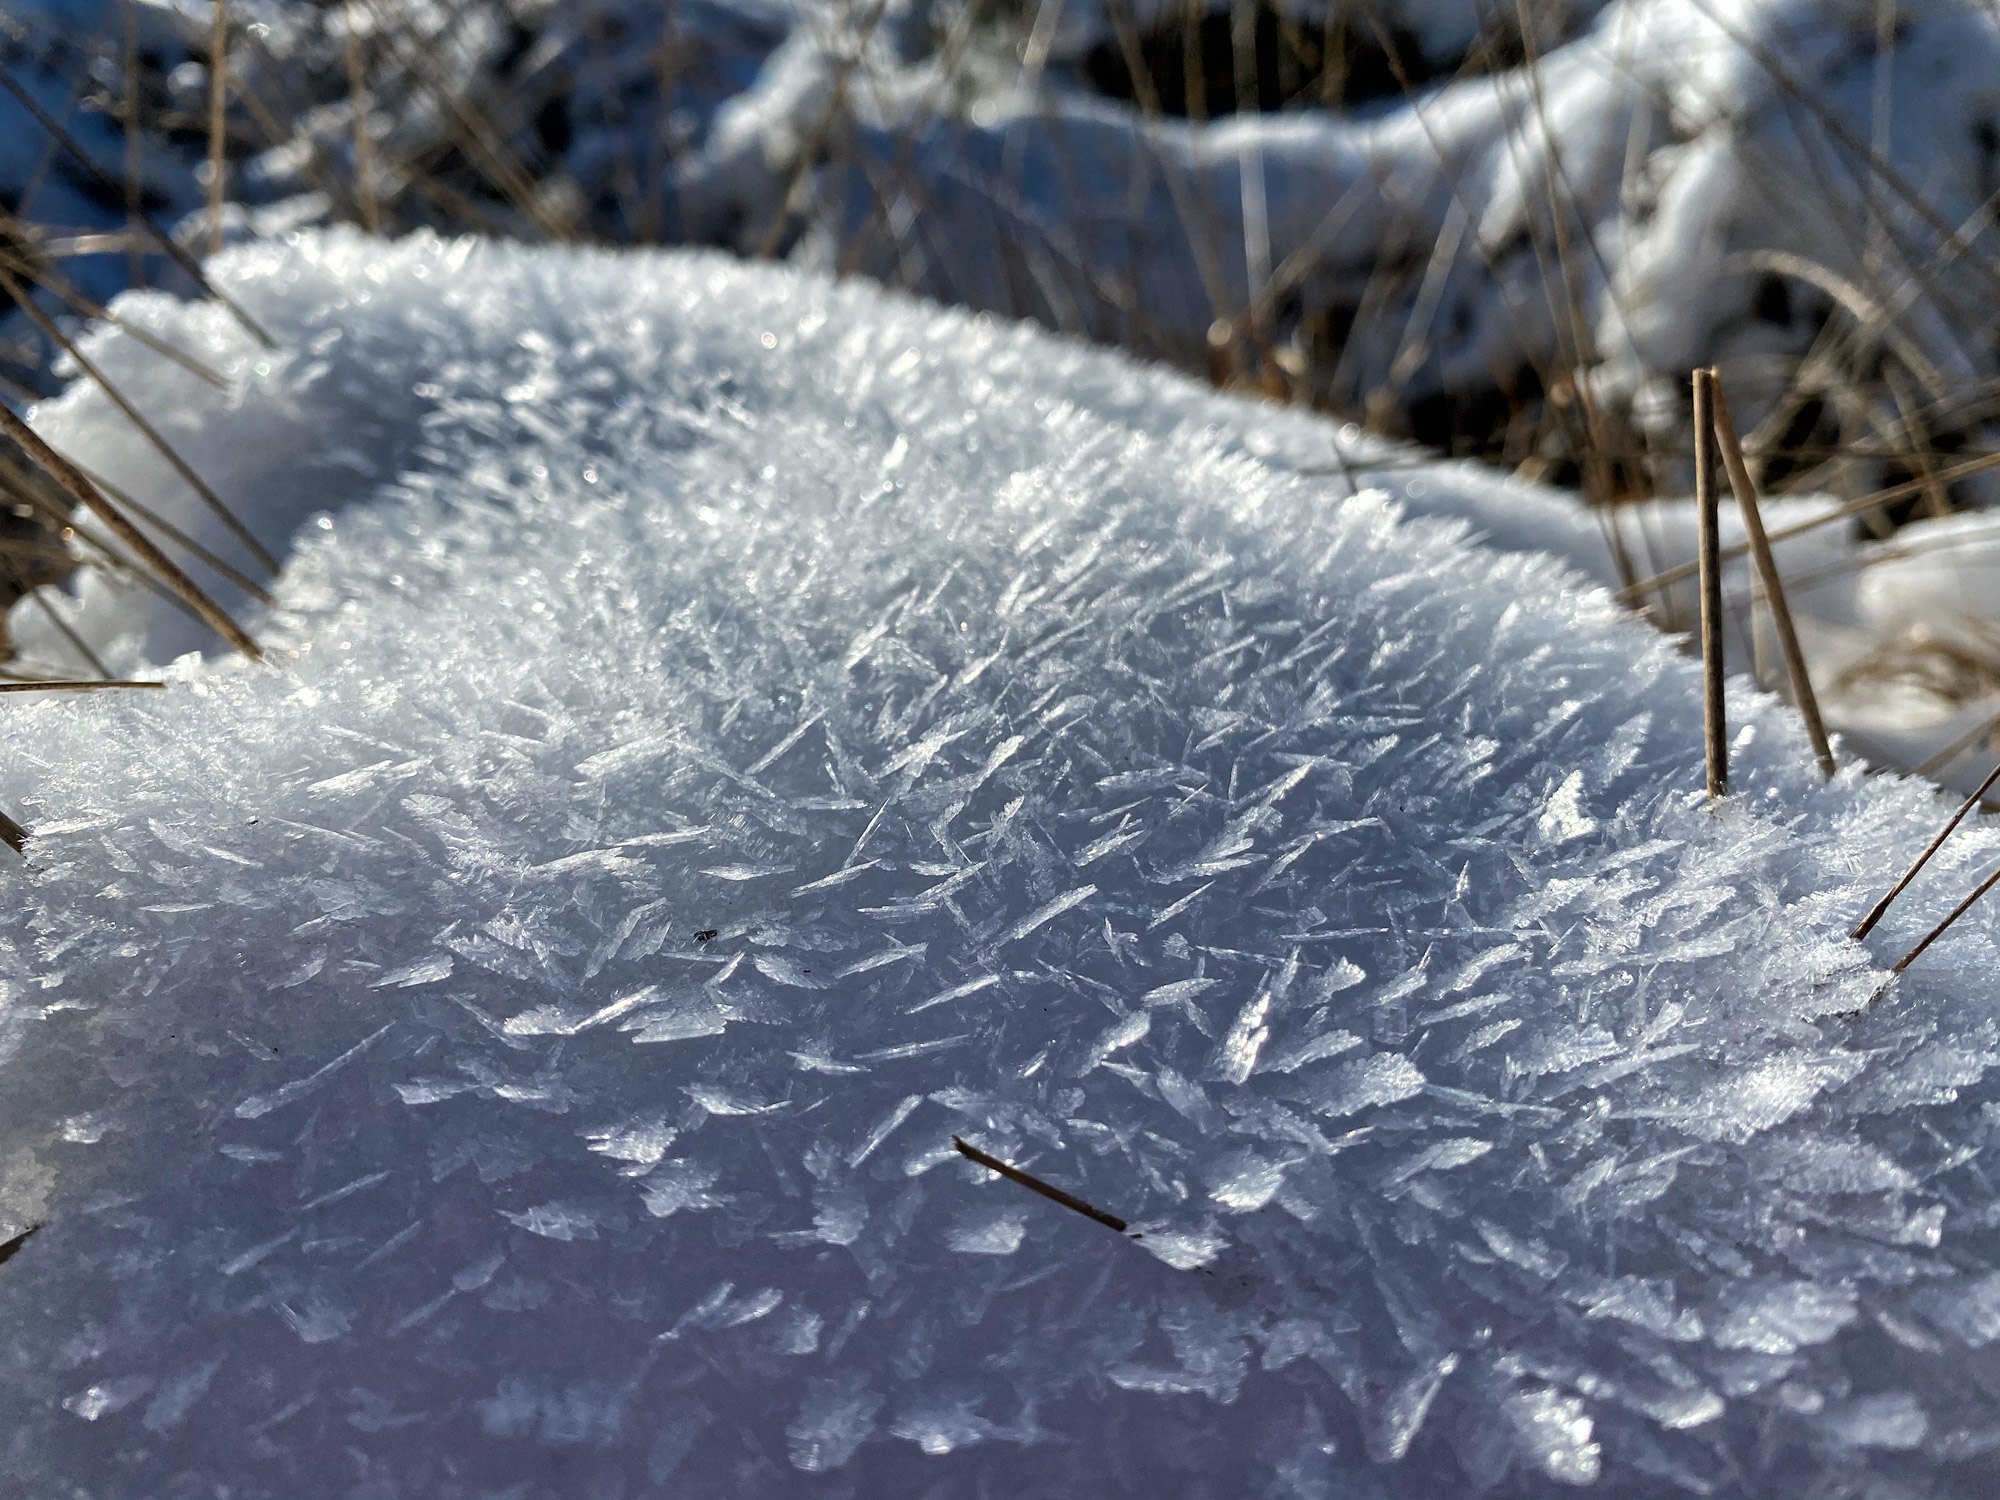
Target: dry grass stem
x=1715 y=726
x=67 y=685
x=475 y=134
x=1036 y=1185
x=1680 y=573
x=1867 y=924
x=359 y=103
x=218 y=103
x=167 y=243
x=88 y=308
x=63 y=628
x=1767 y=572
x=1957 y=747
x=163 y=567
x=152 y=435
x=134 y=155
x=117 y=565
x=179 y=538
x=1939 y=931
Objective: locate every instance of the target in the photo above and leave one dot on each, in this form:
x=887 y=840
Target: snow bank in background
x=1711 y=163
x=755 y=729
x=1401 y=254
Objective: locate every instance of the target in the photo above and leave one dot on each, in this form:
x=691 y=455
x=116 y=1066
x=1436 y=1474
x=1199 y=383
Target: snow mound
x=1434 y=216
x=1673 y=184
x=746 y=731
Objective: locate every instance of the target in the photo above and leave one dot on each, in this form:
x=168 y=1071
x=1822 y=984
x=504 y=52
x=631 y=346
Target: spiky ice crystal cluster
x=748 y=730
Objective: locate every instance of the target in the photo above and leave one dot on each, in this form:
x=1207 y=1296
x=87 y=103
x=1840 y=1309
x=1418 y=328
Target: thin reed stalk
x=218 y=104
x=1939 y=931
x=1681 y=572
x=26 y=588
x=134 y=158
x=68 y=632
x=359 y=104
x=1875 y=913
x=1724 y=430
x=62 y=287
x=79 y=685
x=1958 y=747
x=1714 y=723
x=179 y=538
x=1035 y=1185
x=132 y=414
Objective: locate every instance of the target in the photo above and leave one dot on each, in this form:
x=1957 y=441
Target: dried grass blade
x=152 y=435
x=218 y=103
x=180 y=538
x=33 y=591
x=359 y=104
x=1939 y=931
x=79 y=685
x=1715 y=726
x=136 y=269
x=67 y=290
x=1937 y=762
x=165 y=241
x=1767 y=570
x=88 y=495
x=1681 y=572
x=1867 y=924
x=1036 y=1185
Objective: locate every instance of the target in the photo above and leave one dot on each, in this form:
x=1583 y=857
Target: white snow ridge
x=1326 y=895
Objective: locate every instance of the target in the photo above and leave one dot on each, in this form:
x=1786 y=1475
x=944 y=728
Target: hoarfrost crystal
x=513 y=1045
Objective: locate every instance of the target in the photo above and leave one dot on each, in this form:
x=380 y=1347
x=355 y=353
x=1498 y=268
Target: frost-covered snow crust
x=769 y=728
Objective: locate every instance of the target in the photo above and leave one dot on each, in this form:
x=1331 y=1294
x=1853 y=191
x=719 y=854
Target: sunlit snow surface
x=1327 y=896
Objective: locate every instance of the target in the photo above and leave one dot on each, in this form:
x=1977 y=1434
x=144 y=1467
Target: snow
x=1713 y=160
x=1313 y=889
x=1942 y=575
x=1399 y=251
x=512 y=1044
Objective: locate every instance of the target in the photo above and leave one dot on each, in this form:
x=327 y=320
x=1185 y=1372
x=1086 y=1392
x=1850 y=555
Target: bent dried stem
x=62 y=287
x=167 y=243
x=79 y=685
x=359 y=104
x=1957 y=747
x=218 y=104
x=180 y=538
x=1681 y=572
